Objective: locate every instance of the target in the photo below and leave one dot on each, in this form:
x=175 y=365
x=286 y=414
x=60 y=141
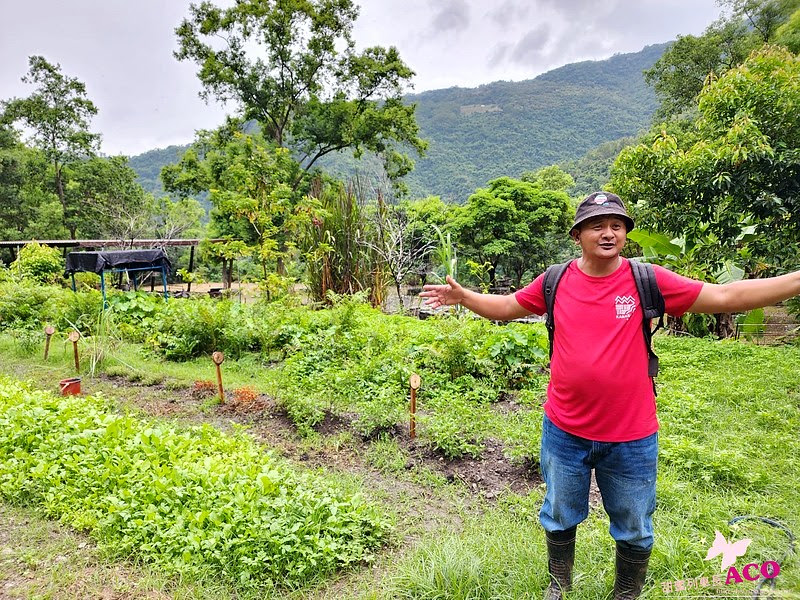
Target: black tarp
x=96 y=262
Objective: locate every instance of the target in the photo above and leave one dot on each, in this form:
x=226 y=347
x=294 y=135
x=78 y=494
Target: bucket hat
x=601 y=203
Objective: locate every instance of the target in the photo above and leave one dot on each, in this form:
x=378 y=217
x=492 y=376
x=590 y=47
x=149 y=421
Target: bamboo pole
x=218 y=359
x=414 y=381
x=74 y=337
x=48 y=332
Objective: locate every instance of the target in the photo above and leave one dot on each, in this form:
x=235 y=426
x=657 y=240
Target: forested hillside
x=503 y=128
x=507 y=128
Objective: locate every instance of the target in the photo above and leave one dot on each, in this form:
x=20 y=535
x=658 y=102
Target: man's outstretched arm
x=492 y=306
x=746 y=294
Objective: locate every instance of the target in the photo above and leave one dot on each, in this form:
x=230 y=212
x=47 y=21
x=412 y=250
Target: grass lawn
x=730 y=446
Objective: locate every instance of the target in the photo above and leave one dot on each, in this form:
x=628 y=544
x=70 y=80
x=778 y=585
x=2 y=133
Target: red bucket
x=71 y=386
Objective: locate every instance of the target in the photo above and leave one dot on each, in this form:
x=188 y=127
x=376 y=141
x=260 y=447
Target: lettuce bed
x=194 y=501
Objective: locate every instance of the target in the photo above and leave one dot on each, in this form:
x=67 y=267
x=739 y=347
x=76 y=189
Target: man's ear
x=576 y=235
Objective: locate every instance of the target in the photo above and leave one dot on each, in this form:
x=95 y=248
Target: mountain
x=148 y=166
x=505 y=128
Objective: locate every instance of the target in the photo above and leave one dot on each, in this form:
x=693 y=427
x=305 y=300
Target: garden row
x=193 y=500
x=351 y=361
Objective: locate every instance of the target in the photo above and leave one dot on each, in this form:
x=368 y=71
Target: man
x=600 y=411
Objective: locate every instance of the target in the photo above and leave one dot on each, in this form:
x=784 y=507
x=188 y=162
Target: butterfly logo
x=730 y=550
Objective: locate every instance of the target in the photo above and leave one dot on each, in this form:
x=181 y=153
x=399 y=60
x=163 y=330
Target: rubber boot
x=631 y=571
x=560 y=559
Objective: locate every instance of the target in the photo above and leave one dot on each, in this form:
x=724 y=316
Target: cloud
x=510 y=12
x=573 y=8
x=453 y=15
x=498 y=54
x=530 y=48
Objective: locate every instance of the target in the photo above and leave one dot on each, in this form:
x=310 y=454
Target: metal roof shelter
x=118 y=261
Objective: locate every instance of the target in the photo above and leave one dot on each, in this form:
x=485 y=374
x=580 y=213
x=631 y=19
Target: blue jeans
x=625 y=473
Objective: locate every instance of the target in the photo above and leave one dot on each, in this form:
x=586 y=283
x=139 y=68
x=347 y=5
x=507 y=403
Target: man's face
x=601 y=237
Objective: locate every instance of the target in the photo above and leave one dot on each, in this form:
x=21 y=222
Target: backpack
x=650 y=298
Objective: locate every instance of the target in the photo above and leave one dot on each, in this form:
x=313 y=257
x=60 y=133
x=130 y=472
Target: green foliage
x=518 y=351
x=552 y=178
x=737 y=165
x=698 y=259
x=192 y=501
x=313 y=92
x=684 y=69
x=592 y=171
x=570 y=118
x=252 y=188
x=57 y=113
x=135 y=313
x=679 y=75
x=185 y=329
x=788 y=34
x=507 y=225
x=751 y=323
x=39 y=263
x=106 y=198
x=447 y=256
x=337 y=258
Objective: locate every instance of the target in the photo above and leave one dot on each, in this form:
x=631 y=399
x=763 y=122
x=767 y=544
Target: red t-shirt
x=599 y=388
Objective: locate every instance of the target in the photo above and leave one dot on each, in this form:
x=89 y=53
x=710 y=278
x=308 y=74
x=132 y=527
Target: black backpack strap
x=652 y=302
x=552 y=277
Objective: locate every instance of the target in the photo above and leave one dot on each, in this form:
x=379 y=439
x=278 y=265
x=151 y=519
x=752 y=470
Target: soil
x=487 y=476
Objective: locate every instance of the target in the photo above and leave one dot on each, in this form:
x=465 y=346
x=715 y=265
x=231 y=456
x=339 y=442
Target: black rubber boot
x=631 y=571
x=560 y=559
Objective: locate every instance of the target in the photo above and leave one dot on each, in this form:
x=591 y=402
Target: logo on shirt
x=625 y=306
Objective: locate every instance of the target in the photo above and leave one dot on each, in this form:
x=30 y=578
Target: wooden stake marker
x=414 y=381
x=74 y=336
x=48 y=331
x=218 y=359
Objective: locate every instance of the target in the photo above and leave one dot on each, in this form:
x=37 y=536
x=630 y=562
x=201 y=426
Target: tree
x=593 y=170
x=174 y=218
x=764 y=17
x=308 y=89
x=394 y=244
x=679 y=75
x=552 y=178
x=249 y=180
x=788 y=34
x=12 y=215
x=507 y=224
x=28 y=209
x=57 y=114
x=739 y=165
x=112 y=203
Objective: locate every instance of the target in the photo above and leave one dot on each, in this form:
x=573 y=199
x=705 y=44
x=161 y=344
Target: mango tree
x=739 y=163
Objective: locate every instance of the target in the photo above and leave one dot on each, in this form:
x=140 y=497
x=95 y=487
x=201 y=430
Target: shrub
x=22 y=304
x=38 y=263
x=518 y=351
x=188 y=328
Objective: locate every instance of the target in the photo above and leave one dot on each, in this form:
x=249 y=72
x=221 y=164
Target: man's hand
x=443 y=295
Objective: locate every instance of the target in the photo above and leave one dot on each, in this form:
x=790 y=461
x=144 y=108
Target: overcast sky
x=122 y=49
